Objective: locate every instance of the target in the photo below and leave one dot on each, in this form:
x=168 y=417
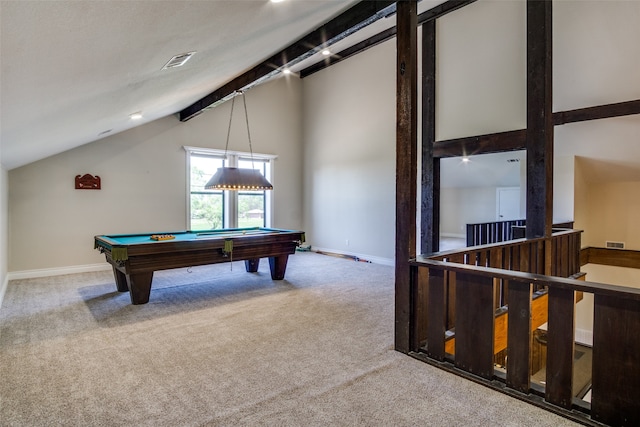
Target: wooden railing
x=463 y=290
x=491 y=232
x=485 y=233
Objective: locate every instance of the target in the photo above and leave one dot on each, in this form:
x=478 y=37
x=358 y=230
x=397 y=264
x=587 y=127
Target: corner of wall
x=4 y=228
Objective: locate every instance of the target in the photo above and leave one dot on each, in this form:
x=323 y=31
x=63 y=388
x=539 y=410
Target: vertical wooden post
x=539 y=122
x=430 y=194
x=406 y=166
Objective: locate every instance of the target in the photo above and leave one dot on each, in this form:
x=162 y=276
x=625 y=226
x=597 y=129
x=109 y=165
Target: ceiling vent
x=615 y=245
x=178 y=60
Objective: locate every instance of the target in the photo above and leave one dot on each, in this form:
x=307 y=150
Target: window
x=215 y=209
x=206 y=206
x=252 y=205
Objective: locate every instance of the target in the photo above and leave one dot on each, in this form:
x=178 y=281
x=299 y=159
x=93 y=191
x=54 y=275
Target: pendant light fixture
x=229 y=178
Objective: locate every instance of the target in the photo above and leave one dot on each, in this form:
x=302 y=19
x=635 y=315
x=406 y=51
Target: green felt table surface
x=132 y=239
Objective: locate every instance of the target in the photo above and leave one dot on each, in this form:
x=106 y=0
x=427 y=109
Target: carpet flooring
x=222 y=347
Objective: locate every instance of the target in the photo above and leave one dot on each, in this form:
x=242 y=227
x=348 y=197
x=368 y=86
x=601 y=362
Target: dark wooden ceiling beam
x=347 y=23
x=515 y=140
x=481 y=144
x=442 y=9
x=348 y=52
x=429 y=15
x=598 y=112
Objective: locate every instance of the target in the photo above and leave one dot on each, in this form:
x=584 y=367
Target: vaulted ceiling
x=73 y=71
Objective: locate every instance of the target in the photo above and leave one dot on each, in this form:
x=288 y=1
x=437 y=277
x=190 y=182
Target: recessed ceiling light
x=178 y=60
x=136 y=116
x=465 y=159
x=286 y=71
x=277 y=1
x=326 y=52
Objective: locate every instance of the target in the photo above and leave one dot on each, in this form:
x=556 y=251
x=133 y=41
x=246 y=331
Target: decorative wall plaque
x=87 y=182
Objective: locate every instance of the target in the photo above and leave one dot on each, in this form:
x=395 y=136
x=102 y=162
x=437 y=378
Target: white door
x=508 y=203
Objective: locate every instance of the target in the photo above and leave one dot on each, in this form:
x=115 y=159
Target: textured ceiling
x=73 y=71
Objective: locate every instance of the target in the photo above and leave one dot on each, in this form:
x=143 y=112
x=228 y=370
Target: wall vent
x=615 y=245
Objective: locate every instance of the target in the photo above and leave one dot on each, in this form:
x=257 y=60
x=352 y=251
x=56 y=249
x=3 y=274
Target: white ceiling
x=73 y=71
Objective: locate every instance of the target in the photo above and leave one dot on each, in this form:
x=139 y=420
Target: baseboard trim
x=3 y=288
x=57 y=271
x=454 y=235
x=356 y=256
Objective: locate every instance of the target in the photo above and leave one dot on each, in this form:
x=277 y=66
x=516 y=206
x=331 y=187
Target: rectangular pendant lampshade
x=238 y=179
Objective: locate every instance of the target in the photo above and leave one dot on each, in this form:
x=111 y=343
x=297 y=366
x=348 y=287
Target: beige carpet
x=216 y=347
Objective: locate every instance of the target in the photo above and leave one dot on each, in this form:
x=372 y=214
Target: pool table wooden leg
x=140 y=287
x=121 y=280
x=252 y=265
x=278 y=265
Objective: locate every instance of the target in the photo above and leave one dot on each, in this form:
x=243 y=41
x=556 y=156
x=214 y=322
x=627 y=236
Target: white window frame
x=230 y=197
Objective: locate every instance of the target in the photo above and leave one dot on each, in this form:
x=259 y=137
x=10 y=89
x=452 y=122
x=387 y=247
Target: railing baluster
x=475 y=324
x=525 y=256
x=519 y=335
x=495 y=261
x=560 y=347
x=419 y=276
x=437 y=313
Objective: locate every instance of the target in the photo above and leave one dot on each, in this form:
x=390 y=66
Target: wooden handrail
x=595 y=288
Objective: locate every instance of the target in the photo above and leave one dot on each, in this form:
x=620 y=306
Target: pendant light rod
x=233 y=178
x=246 y=116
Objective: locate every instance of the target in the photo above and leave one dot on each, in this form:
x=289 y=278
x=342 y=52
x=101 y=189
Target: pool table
x=134 y=257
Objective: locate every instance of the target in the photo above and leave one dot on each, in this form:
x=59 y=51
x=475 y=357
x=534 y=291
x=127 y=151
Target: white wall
x=144 y=180
x=481 y=89
x=349 y=155
x=612 y=212
x=481 y=70
x=462 y=206
x=563 y=188
x=4 y=229
x=349 y=123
